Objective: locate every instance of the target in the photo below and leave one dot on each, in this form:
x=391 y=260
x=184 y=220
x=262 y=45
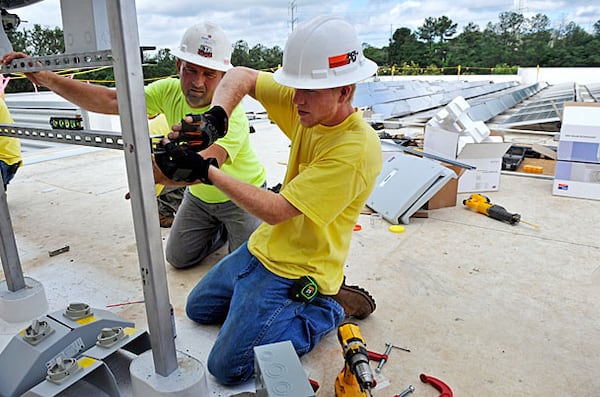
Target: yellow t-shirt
x=10 y=148
x=165 y=96
x=331 y=173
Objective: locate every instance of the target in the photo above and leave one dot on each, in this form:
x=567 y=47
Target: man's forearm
x=91 y=97
x=237 y=83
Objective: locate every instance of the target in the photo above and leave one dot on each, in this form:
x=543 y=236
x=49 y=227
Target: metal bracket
x=77 y=311
x=37 y=332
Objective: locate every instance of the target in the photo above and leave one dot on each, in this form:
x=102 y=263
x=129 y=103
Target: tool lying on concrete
x=384 y=356
x=356 y=378
x=406 y=391
x=440 y=386
x=483 y=205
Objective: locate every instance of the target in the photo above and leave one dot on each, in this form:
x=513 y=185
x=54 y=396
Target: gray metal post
x=11 y=265
x=134 y=124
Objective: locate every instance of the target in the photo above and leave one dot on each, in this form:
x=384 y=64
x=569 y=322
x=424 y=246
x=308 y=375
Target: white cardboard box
x=580 y=132
x=485 y=156
x=576 y=179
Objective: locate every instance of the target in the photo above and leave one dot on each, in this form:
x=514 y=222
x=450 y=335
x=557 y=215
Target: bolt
x=406 y=391
x=388 y=350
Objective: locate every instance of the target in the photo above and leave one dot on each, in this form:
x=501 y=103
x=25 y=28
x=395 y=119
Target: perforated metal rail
x=103 y=139
x=59 y=62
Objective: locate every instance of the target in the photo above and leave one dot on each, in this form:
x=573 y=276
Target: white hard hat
x=205 y=44
x=324 y=52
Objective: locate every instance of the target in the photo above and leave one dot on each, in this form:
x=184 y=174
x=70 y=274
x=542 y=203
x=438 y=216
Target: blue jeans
x=254 y=307
x=201 y=228
x=8 y=172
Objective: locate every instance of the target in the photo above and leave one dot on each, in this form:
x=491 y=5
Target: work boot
x=165 y=220
x=356 y=301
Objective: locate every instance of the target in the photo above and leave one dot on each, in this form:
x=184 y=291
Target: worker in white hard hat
x=206 y=219
x=287 y=282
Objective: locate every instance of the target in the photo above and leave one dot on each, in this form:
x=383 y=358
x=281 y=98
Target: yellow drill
x=483 y=205
x=356 y=378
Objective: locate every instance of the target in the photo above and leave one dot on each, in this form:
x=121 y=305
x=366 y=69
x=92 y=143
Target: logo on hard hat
x=206 y=48
x=342 y=60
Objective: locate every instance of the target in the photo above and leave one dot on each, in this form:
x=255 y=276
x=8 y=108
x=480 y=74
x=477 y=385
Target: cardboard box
x=576 y=179
x=485 y=156
x=446 y=196
x=580 y=132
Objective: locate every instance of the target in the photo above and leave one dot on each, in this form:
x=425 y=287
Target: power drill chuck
x=357 y=358
x=356 y=370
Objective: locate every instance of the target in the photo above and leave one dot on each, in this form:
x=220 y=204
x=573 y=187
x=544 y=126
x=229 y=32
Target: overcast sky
x=268 y=22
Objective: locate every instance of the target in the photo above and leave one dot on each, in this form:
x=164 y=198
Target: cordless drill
x=483 y=205
x=356 y=378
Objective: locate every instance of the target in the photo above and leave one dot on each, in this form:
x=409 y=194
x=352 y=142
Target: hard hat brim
x=366 y=70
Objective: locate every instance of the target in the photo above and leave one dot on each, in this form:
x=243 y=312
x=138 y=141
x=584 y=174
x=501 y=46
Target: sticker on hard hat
x=205 y=51
x=342 y=60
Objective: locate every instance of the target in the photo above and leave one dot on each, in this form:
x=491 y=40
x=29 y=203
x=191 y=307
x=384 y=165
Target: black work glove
x=180 y=163
x=204 y=129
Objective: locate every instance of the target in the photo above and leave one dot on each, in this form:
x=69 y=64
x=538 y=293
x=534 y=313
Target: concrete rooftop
x=491 y=309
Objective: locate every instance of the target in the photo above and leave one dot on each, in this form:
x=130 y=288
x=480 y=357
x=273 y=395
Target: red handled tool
x=440 y=386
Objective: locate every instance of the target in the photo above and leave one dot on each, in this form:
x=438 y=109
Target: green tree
x=257 y=57
x=405 y=47
x=377 y=55
x=163 y=64
x=427 y=34
x=597 y=28
x=436 y=32
x=44 y=41
x=239 y=55
x=536 y=41
x=467 y=47
x=35 y=42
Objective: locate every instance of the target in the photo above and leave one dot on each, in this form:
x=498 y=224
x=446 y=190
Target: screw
x=406 y=391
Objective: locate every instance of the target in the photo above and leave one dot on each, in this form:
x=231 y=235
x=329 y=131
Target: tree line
x=433 y=48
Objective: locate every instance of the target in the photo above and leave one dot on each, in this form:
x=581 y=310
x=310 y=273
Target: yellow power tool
x=482 y=204
x=356 y=378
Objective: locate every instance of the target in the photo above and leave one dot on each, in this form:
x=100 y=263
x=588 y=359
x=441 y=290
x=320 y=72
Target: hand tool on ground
x=374 y=356
x=385 y=355
x=440 y=386
x=406 y=391
x=483 y=205
x=356 y=378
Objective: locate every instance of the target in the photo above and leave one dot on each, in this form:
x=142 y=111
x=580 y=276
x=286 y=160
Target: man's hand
x=7 y=59
x=180 y=163
x=199 y=131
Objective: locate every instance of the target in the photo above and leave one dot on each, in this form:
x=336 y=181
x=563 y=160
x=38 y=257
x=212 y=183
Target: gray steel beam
x=134 y=124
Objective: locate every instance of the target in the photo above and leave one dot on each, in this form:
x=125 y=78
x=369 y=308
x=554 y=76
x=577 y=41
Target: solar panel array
x=544 y=107
x=395 y=99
